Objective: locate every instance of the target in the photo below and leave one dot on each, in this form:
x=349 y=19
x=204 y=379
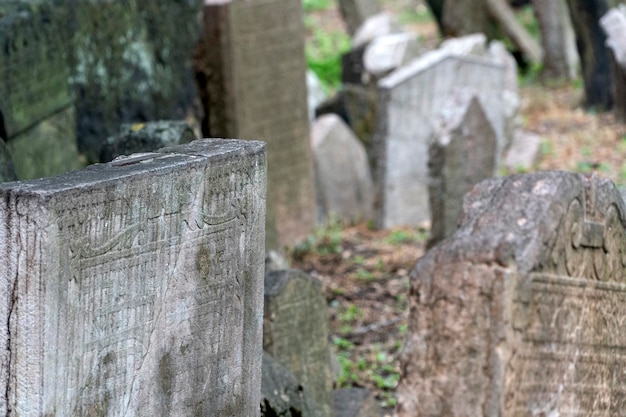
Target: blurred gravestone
x=387 y=53
x=146 y=137
x=461 y=154
x=614 y=25
x=281 y=392
x=136 y=287
x=409 y=99
x=254 y=69
x=381 y=24
x=355 y=12
x=295 y=332
x=356 y=402
x=7 y=172
x=131 y=62
x=519 y=314
x=344 y=181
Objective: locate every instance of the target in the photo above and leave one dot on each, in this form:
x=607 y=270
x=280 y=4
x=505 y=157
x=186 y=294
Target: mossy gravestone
x=136 y=287
x=295 y=332
x=521 y=312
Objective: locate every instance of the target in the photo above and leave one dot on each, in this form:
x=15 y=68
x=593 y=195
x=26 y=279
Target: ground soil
x=365 y=273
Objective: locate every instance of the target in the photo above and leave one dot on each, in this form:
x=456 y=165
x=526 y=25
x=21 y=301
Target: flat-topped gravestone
x=295 y=332
x=409 y=99
x=255 y=88
x=135 y=288
x=521 y=312
x=461 y=154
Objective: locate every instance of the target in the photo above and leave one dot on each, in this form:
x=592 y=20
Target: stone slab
x=146 y=137
x=389 y=52
x=34 y=67
x=295 y=332
x=136 y=287
x=355 y=12
x=48 y=148
x=256 y=89
x=344 y=182
x=461 y=154
x=356 y=402
x=523 y=152
x=520 y=313
x=408 y=101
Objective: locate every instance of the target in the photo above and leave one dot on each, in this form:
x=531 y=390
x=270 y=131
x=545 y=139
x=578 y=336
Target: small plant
x=350 y=314
x=365 y=275
x=403 y=236
x=326 y=240
x=315 y=5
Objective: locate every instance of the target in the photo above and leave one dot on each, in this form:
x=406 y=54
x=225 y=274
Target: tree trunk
x=560 y=58
x=502 y=12
x=465 y=17
x=436 y=8
x=594 y=58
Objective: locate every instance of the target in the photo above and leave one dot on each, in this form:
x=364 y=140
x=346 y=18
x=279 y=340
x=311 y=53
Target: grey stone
x=475 y=44
x=146 y=137
x=131 y=62
x=378 y=25
x=356 y=402
x=282 y=394
x=356 y=12
x=461 y=154
x=389 y=52
x=7 y=172
x=409 y=99
x=523 y=306
x=295 y=332
x=315 y=93
x=613 y=23
x=344 y=182
x=522 y=154
x=136 y=287
x=360 y=103
x=48 y=148
x=256 y=89
x=275 y=261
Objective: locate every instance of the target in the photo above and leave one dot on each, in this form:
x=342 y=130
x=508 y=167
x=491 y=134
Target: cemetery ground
x=365 y=272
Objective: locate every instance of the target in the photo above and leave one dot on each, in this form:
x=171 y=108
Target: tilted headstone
x=461 y=154
x=523 y=152
x=614 y=25
x=380 y=24
x=387 y=53
x=256 y=89
x=355 y=12
x=295 y=332
x=521 y=312
x=136 y=287
x=146 y=137
x=344 y=182
x=409 y=99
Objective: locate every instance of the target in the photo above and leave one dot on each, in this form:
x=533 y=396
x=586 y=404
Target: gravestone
x=295 y=332
x=344 y=182
x=409 y=99
x=380 y=24
x=613 y=24
x=523 y=152
x=135 y=287
x=356 y=402
x=355 y=12
x=146 y=137
x=387 y=53
x=7 y=172
x=461 y=154
x=520 y=313
x=254 y=67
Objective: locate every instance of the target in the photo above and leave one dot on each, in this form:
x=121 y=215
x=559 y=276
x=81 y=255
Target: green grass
x=315 y=5
x=323 y=56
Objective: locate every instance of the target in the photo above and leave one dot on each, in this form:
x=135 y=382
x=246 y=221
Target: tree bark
x=594 y=58
x=465 y=17
x=560 y=58
x=502 y=12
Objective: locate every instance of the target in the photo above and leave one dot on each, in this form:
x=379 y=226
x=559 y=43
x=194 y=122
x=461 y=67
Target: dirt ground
x=365 y=273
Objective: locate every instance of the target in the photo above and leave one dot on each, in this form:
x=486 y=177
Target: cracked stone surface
x=136 y=287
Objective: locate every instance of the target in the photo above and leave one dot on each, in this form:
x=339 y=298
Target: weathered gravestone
x=613 y=24
x=295 y=332
x=461 y=154
x=135 y=287
x=146 y=137
x=521 y=312
x=408 y=101
x=344 y=182
x=255 y=88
